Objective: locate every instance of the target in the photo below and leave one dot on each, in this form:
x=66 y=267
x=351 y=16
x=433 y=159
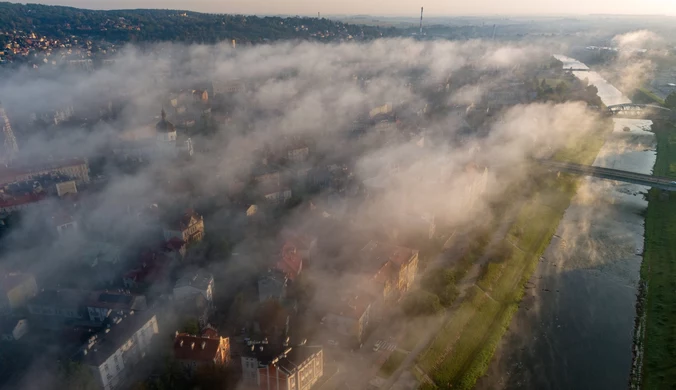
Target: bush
x=420 y=303
x=442 y=284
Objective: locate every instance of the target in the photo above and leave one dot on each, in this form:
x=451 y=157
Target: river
x=574 y=328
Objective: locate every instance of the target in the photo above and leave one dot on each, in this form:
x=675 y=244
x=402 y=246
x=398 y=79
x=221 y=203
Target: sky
x=391 y=7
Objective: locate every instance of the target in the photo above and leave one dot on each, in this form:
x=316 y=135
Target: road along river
x=575 y=325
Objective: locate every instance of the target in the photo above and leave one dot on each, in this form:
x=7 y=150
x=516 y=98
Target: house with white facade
x=112 y=354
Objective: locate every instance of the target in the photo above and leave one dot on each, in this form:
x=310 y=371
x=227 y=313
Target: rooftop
x=291 y=263
x=377 y=254
x=191 y=347
x=117 y=300
x=353 y=306
x=183 y=221
x=10 y=281
x=106 y=344
x=296 y=358
x=64 y=297
x=198 y=279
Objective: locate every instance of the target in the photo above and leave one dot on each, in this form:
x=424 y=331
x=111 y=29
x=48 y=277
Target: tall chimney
x=421 y=16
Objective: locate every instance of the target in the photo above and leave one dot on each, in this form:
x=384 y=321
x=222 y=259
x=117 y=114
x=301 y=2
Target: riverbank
x=573 y=329
x=658 y=272
x=463 y=349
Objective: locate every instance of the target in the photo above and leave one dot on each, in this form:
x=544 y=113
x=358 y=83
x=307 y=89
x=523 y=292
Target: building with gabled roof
x=292 y=368
x=195 y=283
x=189 y=227
x=349 y=316
x=112 y=354
x=391 y=268
x=193 y=351
x=102 y=304
x=290 y=263
x=16 y=289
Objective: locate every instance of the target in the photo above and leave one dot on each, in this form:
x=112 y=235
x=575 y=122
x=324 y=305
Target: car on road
x=376 y=347
x=332 y=343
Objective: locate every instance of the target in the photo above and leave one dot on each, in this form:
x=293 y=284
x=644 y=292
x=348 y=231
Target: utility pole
x=421 y=17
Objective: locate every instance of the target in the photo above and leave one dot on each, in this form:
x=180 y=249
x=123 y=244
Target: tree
x=670 y=101
x=421 y=302
x=442 y=284
x=191 y=326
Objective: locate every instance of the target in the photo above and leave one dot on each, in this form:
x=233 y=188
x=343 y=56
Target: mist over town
x=206 y=201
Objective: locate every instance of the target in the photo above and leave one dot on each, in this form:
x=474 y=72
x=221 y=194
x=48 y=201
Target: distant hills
x=143 y=25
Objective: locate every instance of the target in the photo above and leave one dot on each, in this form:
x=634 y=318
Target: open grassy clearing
x=392 y=363
x=462 y=351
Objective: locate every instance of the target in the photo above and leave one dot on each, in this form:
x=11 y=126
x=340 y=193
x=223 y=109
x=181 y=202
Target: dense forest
x=170 y=25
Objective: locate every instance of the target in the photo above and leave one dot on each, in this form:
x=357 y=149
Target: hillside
x=171 y=25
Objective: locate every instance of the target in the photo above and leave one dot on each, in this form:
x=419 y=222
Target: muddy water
x=575 y=324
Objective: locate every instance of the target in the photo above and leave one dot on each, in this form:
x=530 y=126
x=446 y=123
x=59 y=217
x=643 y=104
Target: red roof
x=291 y=263
x=195 y=348
x=210 y=332
x=153 y=268
x=10 y=174
x=174 y=244
x=22 y=199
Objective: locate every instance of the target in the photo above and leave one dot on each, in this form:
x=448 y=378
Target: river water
x=575 y=325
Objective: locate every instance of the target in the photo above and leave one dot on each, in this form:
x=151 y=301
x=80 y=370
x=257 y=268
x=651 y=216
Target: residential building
x=78 y=169
x=349 y=316
x=228 y=87
x=195 y=283
x=112 y=354
x=290 y=263
x=153 y=270
x=275 y=194
x=297 y=368
x=9 y=203
x=12 y=329
x=272 y=286
x=53 y=309
x=188 y=228
x=16 y=289
x=392 y=268
x=297 y=150
x=165 y=130
x=195 y=351
x=175 y=248
x=64 y=223
x=102 y=304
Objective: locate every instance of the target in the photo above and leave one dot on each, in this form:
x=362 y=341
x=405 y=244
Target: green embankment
x=644 y=96
x=659 y=271
x=392 y=363
x=463 y=349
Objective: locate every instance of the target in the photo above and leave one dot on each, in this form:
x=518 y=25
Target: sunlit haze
x=388 y=7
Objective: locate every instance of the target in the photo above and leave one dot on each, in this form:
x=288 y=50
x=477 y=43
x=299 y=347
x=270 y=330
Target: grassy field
x=659 y=271
x=392 y=363
x=462 y=351
x=644 y=96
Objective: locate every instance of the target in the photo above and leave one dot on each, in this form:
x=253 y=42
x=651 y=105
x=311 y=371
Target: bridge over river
x=662 y=183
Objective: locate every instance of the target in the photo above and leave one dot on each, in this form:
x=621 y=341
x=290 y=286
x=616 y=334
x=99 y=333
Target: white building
x=112 y=354
x=13 y=329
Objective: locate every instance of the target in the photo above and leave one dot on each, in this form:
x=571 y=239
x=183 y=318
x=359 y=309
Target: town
x=214 y=201
x=281 y=262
